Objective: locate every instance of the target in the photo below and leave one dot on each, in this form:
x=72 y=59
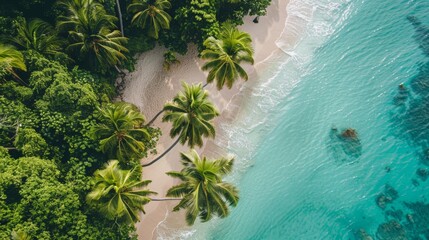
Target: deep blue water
x=299 y=180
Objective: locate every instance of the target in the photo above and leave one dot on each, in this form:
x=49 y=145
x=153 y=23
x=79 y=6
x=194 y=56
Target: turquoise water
x=295 y=179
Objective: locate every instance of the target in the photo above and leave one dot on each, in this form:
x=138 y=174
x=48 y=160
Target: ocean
x=333 y=142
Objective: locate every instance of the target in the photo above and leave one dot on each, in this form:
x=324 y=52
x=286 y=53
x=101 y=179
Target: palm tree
x=191 y=114
x=150 y=15
x=11 y=59
x=203 y=192
x=37 y=35
x=121 y=24
x=120 y=132
x=118 y=193
x=225 y=54
x=92 y=34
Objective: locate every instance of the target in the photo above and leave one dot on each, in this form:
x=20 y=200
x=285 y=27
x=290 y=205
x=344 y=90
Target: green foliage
x=121 y=132
x=92 y=35
x=140 y=43
x=151 y=15
x=13 y=90
x=30 y=185
x=60 y=109
x=70 y=97
x=5 y=29
x=30 y=143
x=20 y=235
x=191 y=114
x=102 y=86
x=152 y=141
x=193 y=22
x=203 y=192
x=37 y=35
x=44 y=9
x=225 y=54
x=12 y=114
x=169 y=59
x=4 y=153
x=35 y=202
x=117 y=193
x=11 y=59
x=235 y=10
x=51 y=111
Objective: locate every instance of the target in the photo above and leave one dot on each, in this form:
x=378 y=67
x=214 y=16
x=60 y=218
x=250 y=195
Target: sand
x=149 y=87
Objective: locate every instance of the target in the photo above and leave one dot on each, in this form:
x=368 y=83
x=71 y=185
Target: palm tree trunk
x=10 y=148
x=121 y=24
x=19 y=80
x=163 y=154
x=165 y=199
x=121 y=85
x=119 y=70
x=154 y=118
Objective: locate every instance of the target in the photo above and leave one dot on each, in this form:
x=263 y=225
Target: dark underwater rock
x=345 y=145
x=387 y=196
x=396 y=214
x=349 y=134
x=361 y=234
x=423 y=173
x=402 y=95
x=391 y=192
x=420 y=216
x=382 y=200
x=391 y=230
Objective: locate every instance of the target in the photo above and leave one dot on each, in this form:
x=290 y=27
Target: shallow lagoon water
x=344 y=73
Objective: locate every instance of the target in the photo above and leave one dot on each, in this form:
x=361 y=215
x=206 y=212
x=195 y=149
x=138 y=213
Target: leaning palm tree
x=202 y=190
x=118 y=193
x=37 y=35
x=150 y=15
x=121 y=131
x=92 y=33
x=11 y=59
x=225 y=54
x=191 y=114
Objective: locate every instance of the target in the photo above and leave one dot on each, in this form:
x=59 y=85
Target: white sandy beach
x=149 y=87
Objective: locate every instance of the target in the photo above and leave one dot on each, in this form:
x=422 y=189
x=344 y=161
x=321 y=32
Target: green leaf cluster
x=51 y=117
x=35 y=202
x=204 y=193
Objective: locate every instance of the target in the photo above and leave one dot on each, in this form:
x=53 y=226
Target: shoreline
x=149 y=87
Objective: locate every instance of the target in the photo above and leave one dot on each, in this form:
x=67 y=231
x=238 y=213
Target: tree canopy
x=224 y=55
x=191 y=115
x=204 y=193
x=59 y=125
x=117 y=193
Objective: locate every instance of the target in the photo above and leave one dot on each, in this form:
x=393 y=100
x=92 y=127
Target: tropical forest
x=72 y=149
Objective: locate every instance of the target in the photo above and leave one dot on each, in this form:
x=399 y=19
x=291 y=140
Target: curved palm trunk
x=154 y=118
x=163 y=154
x=121 y=85
x=165 y=199
x=119 y=70
x=120 y=17
x=19 y=80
